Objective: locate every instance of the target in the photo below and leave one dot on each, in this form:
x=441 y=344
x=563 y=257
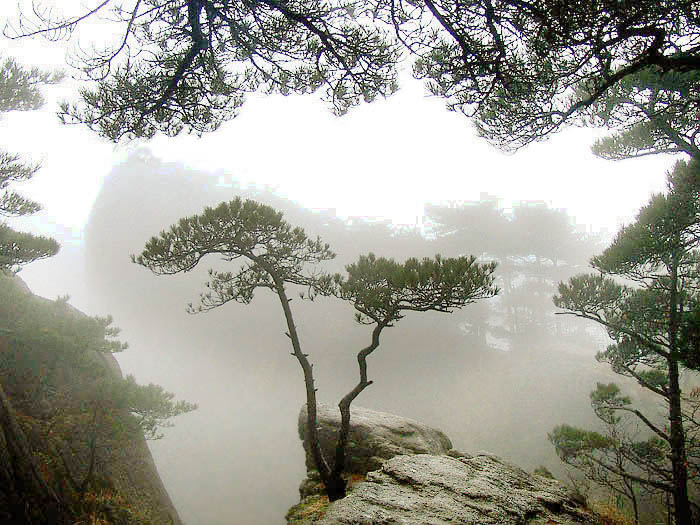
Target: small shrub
x=610 y=514
x=308 y=510
x=108 y=507
x=544 y=472
x=313 y=507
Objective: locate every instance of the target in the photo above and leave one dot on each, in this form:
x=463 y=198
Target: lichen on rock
x=413 y=490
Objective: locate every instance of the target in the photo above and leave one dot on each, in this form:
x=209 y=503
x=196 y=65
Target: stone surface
x=437 y=490
x=412 y=476
x=374 y=437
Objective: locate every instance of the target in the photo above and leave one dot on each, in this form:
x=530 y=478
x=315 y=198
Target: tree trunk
x=29 y=497
x=679 y=462
x=339 y=485
x=311 y=434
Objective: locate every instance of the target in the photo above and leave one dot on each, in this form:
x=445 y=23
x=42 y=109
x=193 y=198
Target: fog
x=237 y=459
x=496 y=376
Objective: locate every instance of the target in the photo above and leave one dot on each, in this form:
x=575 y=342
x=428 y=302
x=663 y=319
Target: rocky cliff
x=404 y=472
x=62 y=444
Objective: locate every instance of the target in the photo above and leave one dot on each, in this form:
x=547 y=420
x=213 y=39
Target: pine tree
x=276 y=256
x=648 y=321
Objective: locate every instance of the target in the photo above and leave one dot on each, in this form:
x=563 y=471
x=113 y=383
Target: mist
x=238 y=458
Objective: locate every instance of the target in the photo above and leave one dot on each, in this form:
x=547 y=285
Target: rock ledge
x=441 y=490
x=405 y=473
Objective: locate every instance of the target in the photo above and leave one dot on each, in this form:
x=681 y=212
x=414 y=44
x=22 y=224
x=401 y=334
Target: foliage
x=12 y=170
x=152 y=406
x=20 y=91
x=617 y=459
x=308 y=510
x=20 y=87
x=237 y=229
x=382 y=290
x=28 y=320
x=532 y=230
x=569 y=441
x=610 y=513
x=645 y=318
x=109 y=507
x=20 y=248
x=482 y=225
x=186 y=65
x=273 y=255
x=523 y=69
x=650 y=113
x=97 y=501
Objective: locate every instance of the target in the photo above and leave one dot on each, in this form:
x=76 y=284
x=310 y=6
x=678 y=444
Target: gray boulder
x=437 y=490
x=374 y=437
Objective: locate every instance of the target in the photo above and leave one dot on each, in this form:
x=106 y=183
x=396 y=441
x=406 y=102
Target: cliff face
x=90 y=455
x=442 y=487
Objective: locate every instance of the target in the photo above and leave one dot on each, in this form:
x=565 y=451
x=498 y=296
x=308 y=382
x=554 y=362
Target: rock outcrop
x=438 y=488
x=441 y=490
x=374 y=437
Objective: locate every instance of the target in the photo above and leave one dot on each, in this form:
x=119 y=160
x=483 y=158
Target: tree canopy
x=20 y=90
x=274 y=255
x=186 y=65
x=521 y=68
x=20 y=87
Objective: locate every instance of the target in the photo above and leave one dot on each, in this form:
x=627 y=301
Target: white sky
x=383 y=159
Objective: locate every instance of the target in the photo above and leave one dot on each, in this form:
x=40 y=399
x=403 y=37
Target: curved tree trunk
x=344 y=406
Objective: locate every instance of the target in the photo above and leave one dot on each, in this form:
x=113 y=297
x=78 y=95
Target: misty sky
x=384 y=159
